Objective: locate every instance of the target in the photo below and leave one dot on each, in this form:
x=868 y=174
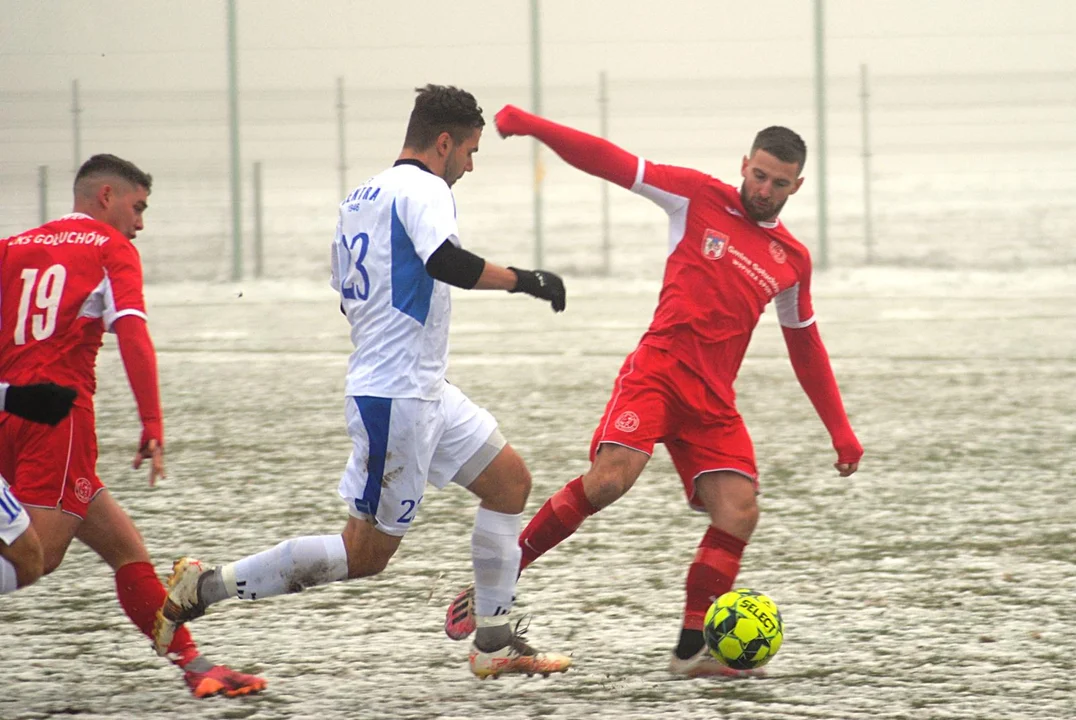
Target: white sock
x=9 y=580
x=495 y=553
x=287 y=568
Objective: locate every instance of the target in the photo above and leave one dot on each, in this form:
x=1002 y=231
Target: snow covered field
x=938 y=582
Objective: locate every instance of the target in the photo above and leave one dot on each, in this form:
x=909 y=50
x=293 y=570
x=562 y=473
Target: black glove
x=42 y=402
x=542 y=284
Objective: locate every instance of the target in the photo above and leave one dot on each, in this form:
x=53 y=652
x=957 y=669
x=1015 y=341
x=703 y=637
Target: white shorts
x=13 y=518
x=400 y=444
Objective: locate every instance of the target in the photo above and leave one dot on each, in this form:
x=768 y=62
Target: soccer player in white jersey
x=22 y=559
x=396 y=251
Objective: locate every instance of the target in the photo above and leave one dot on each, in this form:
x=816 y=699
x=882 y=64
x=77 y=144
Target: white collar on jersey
x=769 y=225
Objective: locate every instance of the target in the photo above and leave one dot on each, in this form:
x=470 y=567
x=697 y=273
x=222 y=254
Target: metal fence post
x=341 y=129
x=43 y=192
x=259 y=244
x=536 y=147
x=607 y=243
x=868 y=232
x=76 y=125
x=233 y=144
x=820 y=117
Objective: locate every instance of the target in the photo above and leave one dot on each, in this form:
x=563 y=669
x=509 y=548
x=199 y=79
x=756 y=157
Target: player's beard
x=761 y=211
x=453 y=172
x=450 y=176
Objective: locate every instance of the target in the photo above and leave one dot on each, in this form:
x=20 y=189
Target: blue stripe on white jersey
x=412 y=286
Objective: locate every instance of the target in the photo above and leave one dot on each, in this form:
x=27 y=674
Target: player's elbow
x=455 y=266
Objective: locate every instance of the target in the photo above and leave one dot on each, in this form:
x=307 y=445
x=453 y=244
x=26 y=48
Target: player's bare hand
x=510 y=121
x=846 y=469
x=153 y=452
x=849 y=453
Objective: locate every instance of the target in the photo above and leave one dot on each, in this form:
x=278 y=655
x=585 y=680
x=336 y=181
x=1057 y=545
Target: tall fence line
x=946 y=170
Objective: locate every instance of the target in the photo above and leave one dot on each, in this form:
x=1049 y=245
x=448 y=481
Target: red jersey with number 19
x=61 y=286
x=723 y=269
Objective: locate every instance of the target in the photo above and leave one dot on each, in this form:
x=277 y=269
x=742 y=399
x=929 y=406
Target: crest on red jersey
x=714 y=244
x=627 y=422
x=83 y=490
x=777 y=252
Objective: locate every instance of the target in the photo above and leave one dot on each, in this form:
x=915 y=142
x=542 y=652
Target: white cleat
x=517 y=658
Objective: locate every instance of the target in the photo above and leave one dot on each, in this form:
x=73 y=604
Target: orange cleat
x=222 y=680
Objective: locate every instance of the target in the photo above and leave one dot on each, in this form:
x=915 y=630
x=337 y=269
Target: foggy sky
x=160 y=44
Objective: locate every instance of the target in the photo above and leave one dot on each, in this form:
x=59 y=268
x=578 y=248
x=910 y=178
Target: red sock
x=712 y=574
x=561 y=516
x=141 y=594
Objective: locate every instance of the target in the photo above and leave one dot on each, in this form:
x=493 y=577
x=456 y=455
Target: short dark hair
x=783 y=144
x=438 y=109
x=111 y=165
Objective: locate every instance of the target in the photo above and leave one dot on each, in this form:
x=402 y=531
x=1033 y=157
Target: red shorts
x=656 y=398
x=52 y=467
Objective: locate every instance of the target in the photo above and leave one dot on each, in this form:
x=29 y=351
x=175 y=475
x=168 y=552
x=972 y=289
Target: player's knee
x=518 y=487
x=613 y=473
x=741 y=517
x=749 y=515
x=51 y=559
x=505 y=485
x=743 y=502
x=378 y=560
x=366 y=567
x=365 y=564
x=31 y=567
x=366 y=558
x=605 y=486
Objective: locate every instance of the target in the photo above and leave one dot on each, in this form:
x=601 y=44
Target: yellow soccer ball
x=743 y=629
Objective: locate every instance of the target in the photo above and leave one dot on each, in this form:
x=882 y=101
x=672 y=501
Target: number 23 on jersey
x=360 y=289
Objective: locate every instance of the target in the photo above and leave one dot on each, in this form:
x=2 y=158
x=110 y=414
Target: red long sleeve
x=588 y=153
x=811 y=364
x=140 y=361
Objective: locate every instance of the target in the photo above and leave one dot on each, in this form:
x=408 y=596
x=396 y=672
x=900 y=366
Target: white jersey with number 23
x=399 y=315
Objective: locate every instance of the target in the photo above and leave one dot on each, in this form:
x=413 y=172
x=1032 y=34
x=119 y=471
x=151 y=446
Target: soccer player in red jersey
x=61 y=286
x=729 y=256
